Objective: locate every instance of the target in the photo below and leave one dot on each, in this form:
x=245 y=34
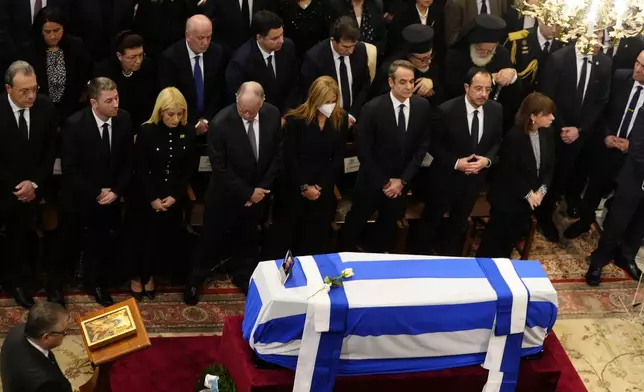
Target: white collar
x=469 y=108
x=101 y=122
x=396 y=102
x=191 y=53
x=420 y=13
x=15 y=108
x=42 y=350
x=542 y=40
x=336 y=55
x=265 y=53
x=256 y=119
x=637 y=84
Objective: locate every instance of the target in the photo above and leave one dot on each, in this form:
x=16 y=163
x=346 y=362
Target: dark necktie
x=198 y=78
x=344 y=83
x=483 y=7
x=475 y=131
x=245 y=10
x=269 y=65
x=546 y=47
x=37 y=7
x=22 y=125
x=402 y=127
x=610 y=51
x=52 y=358
x=581 y=85
x=252 y=140
x=628 y=116
x=106 y=137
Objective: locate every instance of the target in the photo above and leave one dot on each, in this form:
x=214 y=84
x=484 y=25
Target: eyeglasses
x=64 y=333
x=423 y=59
x=26 y=91
x=485 y=51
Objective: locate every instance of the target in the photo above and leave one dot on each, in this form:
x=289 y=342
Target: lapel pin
x=596 y=62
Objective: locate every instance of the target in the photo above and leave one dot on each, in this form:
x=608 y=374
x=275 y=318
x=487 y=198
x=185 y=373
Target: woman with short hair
x=523 y=176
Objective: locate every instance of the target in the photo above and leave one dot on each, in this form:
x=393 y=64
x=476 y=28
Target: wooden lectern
x=102 y=357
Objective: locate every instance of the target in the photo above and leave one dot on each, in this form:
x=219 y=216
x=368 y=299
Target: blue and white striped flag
x=397 y=314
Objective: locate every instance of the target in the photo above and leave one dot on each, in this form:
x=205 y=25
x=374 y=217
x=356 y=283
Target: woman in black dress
x=306 y=22
x=165 y=158
x=524 y=174
x=313 y=158
x=60 y=60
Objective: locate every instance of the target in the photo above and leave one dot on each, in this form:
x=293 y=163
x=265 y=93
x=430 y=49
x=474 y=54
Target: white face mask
x=327 y=109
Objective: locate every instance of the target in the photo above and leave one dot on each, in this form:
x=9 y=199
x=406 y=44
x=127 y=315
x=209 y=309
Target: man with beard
x=478 y=46
x=529 y=52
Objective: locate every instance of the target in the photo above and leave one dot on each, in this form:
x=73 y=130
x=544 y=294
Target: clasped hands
x=25 y=191
x=312 y=193
x=535 y=199
x=424 y=87
x=472 y=164
x=619 y=143
x=569 y=134
x=258 y=195
x=504 y=76
x=106 y=197
x=393 y=188
x=162 y=205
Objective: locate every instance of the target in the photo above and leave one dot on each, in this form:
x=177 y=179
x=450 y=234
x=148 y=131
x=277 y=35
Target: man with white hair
x=243 y=146
x=195 y=67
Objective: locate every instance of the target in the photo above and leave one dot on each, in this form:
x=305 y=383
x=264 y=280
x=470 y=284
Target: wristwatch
x=304 y=187
x=34 y=185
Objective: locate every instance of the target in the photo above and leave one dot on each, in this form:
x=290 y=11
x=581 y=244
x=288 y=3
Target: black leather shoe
x=152 y=294
x=549 y=230
x=102 y=297
x=594 y=276
x=138 y=296
x=630 y=267
x=191 y=295
x=576 y=229
x=22 y=298
x=55 y=295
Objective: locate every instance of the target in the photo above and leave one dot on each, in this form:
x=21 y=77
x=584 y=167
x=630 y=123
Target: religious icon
x=109 y=327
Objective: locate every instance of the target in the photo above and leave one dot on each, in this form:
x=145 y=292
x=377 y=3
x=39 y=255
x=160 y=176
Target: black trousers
x=600 y=182
x=364 y=203
x=19 y=220
x=503 y=230
x=228 y=231
x=302 y=225
x=623 y=228
x=102 y=224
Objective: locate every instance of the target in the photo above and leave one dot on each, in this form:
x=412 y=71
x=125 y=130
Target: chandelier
x=585 y=20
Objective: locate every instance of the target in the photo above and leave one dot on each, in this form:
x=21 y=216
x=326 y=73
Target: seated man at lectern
x=26 y=361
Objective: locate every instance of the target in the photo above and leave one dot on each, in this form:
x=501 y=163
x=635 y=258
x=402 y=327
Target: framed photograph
x=109 y=327
x=287 y=266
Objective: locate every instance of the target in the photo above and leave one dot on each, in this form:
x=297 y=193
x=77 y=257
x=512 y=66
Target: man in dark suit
x=27 y=363
x=393 y=139
x=624 y=224
x=97 y=164
x=465 y=142
x=195 y=67
x=610 y=150
x=243 y=146
x=27 y=148
x=269 y=59
x=344 y=59
x=16 y=19
x=570 y=70
x=529 y=53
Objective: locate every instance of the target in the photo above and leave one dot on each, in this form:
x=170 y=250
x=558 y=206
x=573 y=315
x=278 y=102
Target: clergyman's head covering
x=419 y=37
x=484 y=28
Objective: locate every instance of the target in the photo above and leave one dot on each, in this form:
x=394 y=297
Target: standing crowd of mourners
x=441 y=100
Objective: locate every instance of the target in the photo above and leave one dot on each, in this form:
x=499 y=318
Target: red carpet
x=174 y=365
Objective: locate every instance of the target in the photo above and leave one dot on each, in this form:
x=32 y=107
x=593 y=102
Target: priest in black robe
x=478 y=45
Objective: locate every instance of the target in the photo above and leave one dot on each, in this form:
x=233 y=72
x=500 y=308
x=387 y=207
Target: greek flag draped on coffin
x=397 y=314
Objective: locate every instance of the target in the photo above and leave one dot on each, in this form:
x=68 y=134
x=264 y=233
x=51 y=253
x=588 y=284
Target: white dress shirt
x=16 y=112
x=487 y=3
x=528 y=22
x=542 y=40
x=193 y=58
x=397 y=104
x=640 y=103
x=250 y=8
x=255 y=128
x=470 y=117
x=580 y=61
x=423 y=17
x=265 y=55
x=33 y=6
x=100 y=123
x=42 y=350
x=347 y=62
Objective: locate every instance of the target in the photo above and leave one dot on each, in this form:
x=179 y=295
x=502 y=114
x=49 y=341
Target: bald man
x=194 y=65
x=243 y=146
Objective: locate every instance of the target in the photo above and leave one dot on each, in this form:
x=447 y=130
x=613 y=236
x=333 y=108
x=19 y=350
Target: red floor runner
x=174 y=365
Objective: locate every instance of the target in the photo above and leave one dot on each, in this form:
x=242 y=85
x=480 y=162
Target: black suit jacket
x=235 y=172
x=517 y=169
x=25 y=369
x=559 y=82
x=620 y=91
x=383 y=151
x=175 y=70
x=627 y=52
x=248 y=64
x=22 y=159
x=85 y=165
x=631 y=177
x=319 y=61
x=451 y=140
x=77 y=68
